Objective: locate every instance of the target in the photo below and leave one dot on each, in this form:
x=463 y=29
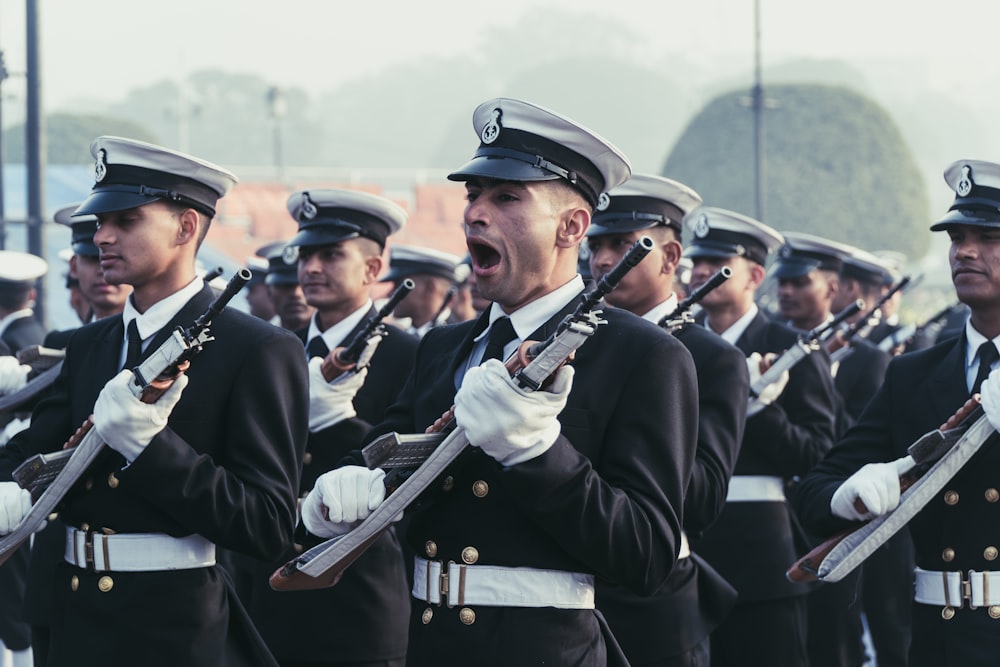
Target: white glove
x=127 y=424
x=14 y=504
x=770 y=393
x=365 y=358
x=989 y=398
x=332 y=402
x=13 y=427
x=876 y=485
x=341 y=498
x=510 y=424
x=13 y=375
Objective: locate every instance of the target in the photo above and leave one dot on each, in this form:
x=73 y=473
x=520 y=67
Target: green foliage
x=68 y=137
x=835 y=165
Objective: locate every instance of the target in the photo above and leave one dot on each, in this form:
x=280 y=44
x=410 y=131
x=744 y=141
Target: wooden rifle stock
x=344 y=358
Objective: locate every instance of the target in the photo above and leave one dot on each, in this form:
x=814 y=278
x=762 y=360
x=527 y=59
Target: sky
x=104 y=47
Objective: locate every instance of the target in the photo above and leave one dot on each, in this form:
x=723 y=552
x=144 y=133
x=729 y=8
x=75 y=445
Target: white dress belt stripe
x=950 y=589
x=457 y=584
x=755 y=488
x=136 y=552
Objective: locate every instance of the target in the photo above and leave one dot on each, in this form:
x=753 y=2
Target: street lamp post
x=4 y=75
x=277 y=105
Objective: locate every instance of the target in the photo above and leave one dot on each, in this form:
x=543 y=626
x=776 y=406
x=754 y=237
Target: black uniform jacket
x=751 y=542
x=695 y=597
x=225 y=467
x=859 y=375
x=921 y=390
x=365 y=616
x=23 y=332
x=606 y=498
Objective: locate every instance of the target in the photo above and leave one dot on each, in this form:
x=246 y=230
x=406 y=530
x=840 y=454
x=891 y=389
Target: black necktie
x=317 y=348
x=501 y=333
x=133 y=345
x=987 y=355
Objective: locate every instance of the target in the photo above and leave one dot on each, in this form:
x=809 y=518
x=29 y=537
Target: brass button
x=448 y=484
x=112 y=481
x=470 y=555
x=430 y=549
x=298 y=548
x=994 y=611
x=85 y=527
x=990 y=553
x=948 y=613
x=948 y=555
x=992 y=495
x=53 y=516
x=480 y=488
x=307 y=458
x=105 y=584
x=426 y=617
x=466 y=616
x=951 y=497
x=74 y=583
x=89 y=484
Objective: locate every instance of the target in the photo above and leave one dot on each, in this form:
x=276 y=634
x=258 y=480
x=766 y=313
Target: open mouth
x=485 y=258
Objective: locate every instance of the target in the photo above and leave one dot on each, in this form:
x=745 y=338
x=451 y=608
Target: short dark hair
x=15 y=296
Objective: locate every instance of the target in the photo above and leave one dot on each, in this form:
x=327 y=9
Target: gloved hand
x=127 y=424
x=770 y=393
x=13 y=375
x=365 y=358
x=14 y=505
x=332 y=402
x=989 y=398
x=341 y=498
x=510 y=424
x=876 y=485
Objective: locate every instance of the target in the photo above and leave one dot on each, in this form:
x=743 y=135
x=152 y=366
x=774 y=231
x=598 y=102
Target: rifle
x=452 y=291
x=863 y=321
x=906 y=335
x=532 y=364
x=50 y=476
x=681 y=314
x=807 y=343
x=346 y=358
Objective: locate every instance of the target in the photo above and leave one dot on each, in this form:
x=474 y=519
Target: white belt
x=137 y=552
x=753 y=488
x=949 y=589
x=497 y=586
x=685 y=550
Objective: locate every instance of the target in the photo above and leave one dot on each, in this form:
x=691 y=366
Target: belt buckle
x=88 y=551
x=443 y=584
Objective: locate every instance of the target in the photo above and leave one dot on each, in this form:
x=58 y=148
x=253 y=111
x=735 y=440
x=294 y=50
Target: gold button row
x=104 y=584
x=948 y=613
x=465 y=615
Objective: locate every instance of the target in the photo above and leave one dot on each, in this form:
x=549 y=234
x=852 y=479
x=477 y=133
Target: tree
x=836 y=165
x=68 y=137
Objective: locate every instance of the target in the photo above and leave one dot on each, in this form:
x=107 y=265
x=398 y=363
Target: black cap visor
x=111 y=199
x=976 y=217
x=794 y=267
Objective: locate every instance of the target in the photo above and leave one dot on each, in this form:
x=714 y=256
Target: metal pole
x=3 y=220
x=35 y=151
x=758 y=118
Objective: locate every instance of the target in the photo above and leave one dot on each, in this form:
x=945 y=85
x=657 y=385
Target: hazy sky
x=103 y=47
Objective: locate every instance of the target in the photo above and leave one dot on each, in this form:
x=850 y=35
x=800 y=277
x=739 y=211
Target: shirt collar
x=336 y=334
x=662 y=310
x=973 y=339
x=733 y=333
x=527 y=319
x=160 y=313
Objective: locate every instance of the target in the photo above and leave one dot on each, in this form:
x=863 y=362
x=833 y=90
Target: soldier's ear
x=671 y=255
x=757 y=273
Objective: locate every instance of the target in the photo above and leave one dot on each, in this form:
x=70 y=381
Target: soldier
x=213 y=462
x=363 y=619
x=956 y=604
x=673 y=626
x=808 y=270
x=283 y=287
x=435 y=278
x=18 y=329
x=257 y=297
x=788 y=429
x=561 y=485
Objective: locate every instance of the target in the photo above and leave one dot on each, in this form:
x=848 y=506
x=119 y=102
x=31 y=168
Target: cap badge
x=603 y=202
x=965 y=183
x=701 y=227
x=101 y=166
x=786 y=251
x=491 y=131
x=290 y=254
x=309 y=210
